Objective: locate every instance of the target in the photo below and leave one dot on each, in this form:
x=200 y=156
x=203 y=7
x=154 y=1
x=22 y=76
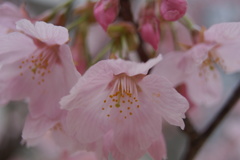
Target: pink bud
x=105 y=12
x=150 y=32
x=172 y=10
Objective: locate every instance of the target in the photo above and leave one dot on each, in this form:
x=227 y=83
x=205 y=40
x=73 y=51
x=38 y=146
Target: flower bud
x=150 y=33
x=172 y=10
x=149 y=25
x=105 y=12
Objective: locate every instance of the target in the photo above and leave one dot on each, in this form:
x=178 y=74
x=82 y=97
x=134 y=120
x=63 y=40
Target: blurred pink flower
x=106 y=11
x=172 y=10
x=118 y=95
x=36 y=64
x=9 y=15
x=194 y=69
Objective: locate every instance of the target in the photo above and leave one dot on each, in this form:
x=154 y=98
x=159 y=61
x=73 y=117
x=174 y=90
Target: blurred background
x=221 y=145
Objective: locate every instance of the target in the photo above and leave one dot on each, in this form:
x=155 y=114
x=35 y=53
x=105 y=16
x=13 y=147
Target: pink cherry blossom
x=118 y=95
x=105 y=12
x=172 y=10
x=195 y=69
x=37 y=64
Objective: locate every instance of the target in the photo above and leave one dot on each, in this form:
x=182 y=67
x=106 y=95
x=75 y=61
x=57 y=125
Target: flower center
x=39 y=64
x=123 y=99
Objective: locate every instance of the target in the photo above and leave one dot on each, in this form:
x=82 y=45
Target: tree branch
x=196 y=144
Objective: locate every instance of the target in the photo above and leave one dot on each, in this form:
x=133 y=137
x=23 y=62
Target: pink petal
x=44 y=32
x=168 y=102
x=158 y=149
x=228 y=56
x=85 y=126
x=199 y=52
x=223 y=32
x=204 y=88
x=95 y=81
x=175 y=66
x=12 y=47
x=35 y=128
x=132 y=68
x=9 y=14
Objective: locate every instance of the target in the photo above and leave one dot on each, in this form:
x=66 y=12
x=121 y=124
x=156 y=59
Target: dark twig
x=196 y=143
x=126 y=14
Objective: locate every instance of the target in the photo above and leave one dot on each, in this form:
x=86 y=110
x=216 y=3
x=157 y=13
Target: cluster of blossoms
x=99 y=108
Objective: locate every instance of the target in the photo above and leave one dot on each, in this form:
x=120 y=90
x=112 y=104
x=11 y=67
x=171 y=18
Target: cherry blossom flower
x=105 y=12
x=118 y=95
x=36 y=64
x=195 y=70
x=196 y=67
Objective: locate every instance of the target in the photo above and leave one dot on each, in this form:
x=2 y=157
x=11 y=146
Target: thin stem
x=102 y=53
x=174 y=36
x=56 y=9
x=76 y=23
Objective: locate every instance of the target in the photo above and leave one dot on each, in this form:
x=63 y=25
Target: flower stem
x=76 y=23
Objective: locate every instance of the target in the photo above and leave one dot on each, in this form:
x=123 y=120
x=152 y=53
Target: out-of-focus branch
x=196 y=143
x=126 y=15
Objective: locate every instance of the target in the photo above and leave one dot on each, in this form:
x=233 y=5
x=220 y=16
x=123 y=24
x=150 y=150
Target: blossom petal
x=9 y=14
x=175 y=66
x=131 y=135
x=223 y=32
x=204 y=89
x=35 y=128
x=132 y=68
x=44 y=32
x=158 y=149
x=168 y=102
x=12 y=47
x=228 y=57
